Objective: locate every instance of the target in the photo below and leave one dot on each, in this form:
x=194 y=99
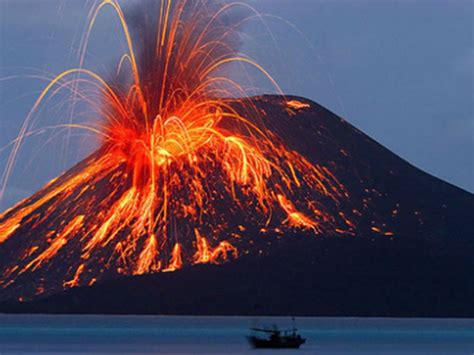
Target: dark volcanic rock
x=327 y=277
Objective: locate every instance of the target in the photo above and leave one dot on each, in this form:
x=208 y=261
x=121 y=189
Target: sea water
x=54 y=334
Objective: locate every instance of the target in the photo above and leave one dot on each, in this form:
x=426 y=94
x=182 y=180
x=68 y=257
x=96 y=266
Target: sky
x=401 y=71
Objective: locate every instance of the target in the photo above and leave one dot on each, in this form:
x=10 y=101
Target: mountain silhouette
x=399 y=242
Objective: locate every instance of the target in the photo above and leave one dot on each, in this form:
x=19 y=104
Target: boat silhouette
x=274 y=338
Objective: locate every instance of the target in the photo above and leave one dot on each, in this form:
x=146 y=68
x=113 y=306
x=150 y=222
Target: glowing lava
x=178 y=162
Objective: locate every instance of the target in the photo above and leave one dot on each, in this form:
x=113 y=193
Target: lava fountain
x=186 y=174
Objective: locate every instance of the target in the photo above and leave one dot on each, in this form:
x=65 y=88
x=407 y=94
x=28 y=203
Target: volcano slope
x=398 y=244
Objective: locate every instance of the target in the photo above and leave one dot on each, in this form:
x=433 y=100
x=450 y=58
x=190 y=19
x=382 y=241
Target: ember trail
x=184 y=175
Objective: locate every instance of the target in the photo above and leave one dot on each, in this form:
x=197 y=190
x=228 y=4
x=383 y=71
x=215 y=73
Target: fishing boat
x=274 y=338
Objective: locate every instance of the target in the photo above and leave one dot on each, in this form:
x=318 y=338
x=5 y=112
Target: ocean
x=64 y=334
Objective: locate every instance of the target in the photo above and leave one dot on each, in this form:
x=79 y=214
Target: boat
x=274 y=338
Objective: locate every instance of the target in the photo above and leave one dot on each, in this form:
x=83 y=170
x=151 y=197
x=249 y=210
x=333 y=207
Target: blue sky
x=401 y=71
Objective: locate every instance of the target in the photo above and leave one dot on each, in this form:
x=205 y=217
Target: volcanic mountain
x=387 y=240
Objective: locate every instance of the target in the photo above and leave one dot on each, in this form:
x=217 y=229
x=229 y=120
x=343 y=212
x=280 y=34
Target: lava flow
x=184 y=175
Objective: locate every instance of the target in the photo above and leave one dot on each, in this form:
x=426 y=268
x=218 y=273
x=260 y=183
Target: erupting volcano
x=191 y=170
x=184 y=174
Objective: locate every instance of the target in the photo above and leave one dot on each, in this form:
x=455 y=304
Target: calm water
x=226 y=335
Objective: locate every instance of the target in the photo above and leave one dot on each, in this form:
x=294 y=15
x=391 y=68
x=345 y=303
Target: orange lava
x=297 y=104
x=172 y=149
x=296 y=218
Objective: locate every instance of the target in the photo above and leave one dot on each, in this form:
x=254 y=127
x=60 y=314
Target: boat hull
x=284 y=343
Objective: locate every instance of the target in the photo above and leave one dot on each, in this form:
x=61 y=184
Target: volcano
x=258 y=204
x=399 y=243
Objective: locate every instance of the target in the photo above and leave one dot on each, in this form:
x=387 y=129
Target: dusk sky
x=401 y=71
